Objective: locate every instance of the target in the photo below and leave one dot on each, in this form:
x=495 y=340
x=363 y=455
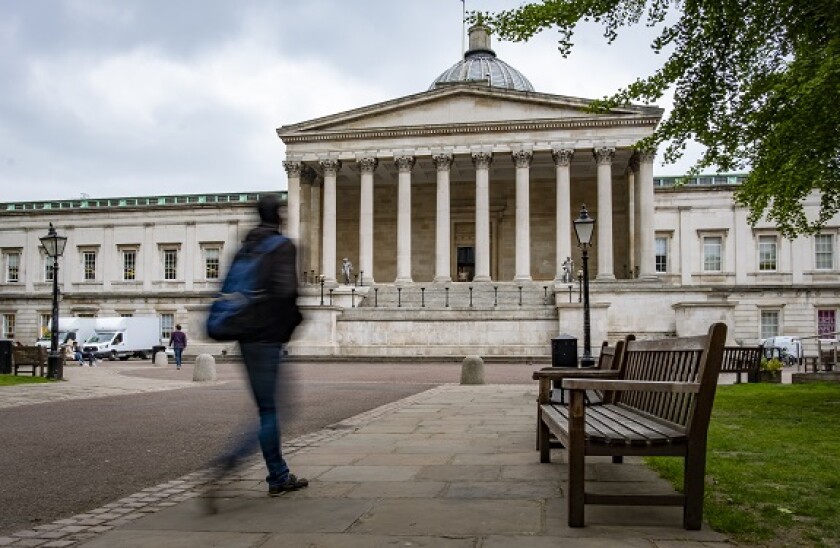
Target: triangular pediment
x=460 y=105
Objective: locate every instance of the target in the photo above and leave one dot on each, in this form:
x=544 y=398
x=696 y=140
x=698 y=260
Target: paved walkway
x=88 y=382
x=452 y=467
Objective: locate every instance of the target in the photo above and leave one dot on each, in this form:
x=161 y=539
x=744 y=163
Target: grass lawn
x=773 y=464
x=9 y=380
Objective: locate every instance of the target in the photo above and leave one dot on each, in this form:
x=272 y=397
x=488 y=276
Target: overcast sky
x=140 y=97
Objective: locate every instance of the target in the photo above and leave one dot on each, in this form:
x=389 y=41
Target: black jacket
x=274 y=317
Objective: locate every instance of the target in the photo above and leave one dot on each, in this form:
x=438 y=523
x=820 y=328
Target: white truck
x=123 y=338
x=71 y=329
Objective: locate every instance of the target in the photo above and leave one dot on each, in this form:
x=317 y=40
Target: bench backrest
x=29 y=355
x=741 y=358
x=684 y=359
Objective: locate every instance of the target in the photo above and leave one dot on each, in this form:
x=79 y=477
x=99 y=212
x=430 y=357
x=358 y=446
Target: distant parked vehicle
x=71 y=329
x=124 y=338
x=787 y=349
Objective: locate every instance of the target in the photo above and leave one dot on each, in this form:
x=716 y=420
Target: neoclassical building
x=455 y=206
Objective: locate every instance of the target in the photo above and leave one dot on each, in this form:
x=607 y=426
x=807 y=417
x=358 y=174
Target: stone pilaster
x=328 y=246
x=293 y=170
x=482 y=161
x=404 y=164
x=647 y=229
x=562 y=162
x=604 y=157
x=367 y=166
x=522 y=161
x=443 y=244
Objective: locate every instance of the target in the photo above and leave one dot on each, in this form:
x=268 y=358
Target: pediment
x=460 y=105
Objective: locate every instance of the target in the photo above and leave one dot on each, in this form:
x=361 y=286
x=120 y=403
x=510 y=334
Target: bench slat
x=612 y=425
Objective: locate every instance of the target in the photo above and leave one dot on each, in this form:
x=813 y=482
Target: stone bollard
x=205 y=368
x=472 y=370
x=161 y=359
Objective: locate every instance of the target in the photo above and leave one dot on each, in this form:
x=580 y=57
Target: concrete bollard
x=472 y=370
x=161 y=359
x=205 y=368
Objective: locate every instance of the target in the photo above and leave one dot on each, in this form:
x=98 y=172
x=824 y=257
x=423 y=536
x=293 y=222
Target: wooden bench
x=34 y=357
x=661 y=406
x=742 y=359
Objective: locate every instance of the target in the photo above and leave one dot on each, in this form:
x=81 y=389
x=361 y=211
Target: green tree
x=757 y=82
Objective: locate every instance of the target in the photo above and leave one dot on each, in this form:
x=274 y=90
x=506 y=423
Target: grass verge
x=11 y=380
x=773 y=464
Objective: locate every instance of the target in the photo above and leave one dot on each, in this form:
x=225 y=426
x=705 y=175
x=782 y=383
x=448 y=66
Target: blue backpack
x=229 y=313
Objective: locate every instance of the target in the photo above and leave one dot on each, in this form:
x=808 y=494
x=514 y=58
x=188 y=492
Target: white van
x=790 y=348
x=71 y=329
x=124 y=338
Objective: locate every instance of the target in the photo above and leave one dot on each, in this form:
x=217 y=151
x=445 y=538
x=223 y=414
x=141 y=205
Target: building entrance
x=465 y=263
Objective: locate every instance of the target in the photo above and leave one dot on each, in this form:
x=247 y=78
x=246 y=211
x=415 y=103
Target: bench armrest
x=545 y=376
x=559 y=374
x=634 y=386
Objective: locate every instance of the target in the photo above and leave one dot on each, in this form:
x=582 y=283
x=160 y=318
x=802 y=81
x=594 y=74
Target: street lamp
x=54 y=246
x=584 y=225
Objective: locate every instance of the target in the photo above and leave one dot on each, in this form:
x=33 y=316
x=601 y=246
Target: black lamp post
x=54 y=246
x=584 y=226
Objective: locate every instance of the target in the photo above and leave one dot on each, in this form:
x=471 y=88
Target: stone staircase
x=462 y=296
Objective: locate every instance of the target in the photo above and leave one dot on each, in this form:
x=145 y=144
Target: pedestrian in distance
x=266 y=265
x=178 y=342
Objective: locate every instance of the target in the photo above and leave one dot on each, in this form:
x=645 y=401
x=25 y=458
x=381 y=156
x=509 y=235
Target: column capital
x=482 y=160
x=645 y=155
x=562 y=156
x=604 y=155
x=330 y=166
x=368 y=164
x=442 y=161
x=293 y=168
x=404 y=163
x=522 y=158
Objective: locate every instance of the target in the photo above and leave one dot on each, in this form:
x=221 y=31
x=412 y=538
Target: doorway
x=465 y=263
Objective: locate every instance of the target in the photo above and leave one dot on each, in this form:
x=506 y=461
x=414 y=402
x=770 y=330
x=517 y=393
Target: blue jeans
x=262 y=361
x=178 y=353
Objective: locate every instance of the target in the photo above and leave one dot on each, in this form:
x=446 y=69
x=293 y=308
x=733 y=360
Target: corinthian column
x=404 y=164
x=367 y=166
x=522 y=160
x=443 y=162
x=482 y=161
x=647 y=233
x=604 y=157
x=562 y=162
x=328 y=260
x=293 y=199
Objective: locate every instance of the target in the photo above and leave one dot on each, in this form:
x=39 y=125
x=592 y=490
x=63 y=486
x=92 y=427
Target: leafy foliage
x=756 y=82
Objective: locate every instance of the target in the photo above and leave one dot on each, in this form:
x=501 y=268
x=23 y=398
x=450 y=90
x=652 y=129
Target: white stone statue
x=568 y=268
x=346 y=270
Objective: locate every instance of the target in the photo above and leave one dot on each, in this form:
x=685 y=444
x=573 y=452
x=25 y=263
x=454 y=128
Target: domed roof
x=481 y=66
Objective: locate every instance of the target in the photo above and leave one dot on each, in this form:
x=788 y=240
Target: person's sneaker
x=292 y=484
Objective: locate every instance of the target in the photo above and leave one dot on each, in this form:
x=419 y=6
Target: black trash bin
x=156 y=349
x=563 y=353
x=5 y=357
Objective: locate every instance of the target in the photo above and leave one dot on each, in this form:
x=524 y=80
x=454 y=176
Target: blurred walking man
x=271 y=323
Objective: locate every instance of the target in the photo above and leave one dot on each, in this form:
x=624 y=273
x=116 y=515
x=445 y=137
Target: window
x=824 y=252
x=8 y=326
x=211 y=263
x=44 y=326
x=826 y=322
x=712 y=253
x=167 y=323
x=661 y=254
x=13 y=267
x=89 y=265
x=170 y=264
x=49 y=269
x=769 y=323
x=766 y=253
x=129 y=261
x=126 y=315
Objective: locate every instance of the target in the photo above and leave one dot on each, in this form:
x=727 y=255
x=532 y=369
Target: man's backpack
x=230 y=314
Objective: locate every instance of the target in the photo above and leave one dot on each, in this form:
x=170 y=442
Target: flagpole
x=463 y=25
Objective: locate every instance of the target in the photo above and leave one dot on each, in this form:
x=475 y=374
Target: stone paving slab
x=425 y=471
